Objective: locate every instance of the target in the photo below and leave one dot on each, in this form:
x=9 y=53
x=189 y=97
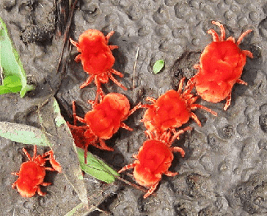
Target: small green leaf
x=10 y=63
x=158 y=66
x=96 y=167
x=11 y=84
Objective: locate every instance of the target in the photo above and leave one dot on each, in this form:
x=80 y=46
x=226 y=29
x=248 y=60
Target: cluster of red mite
x=220 y=67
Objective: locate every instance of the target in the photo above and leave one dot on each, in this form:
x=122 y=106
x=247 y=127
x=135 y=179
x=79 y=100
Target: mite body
x=171 y=110
x=97 y=58
x=102 y=121
x=154 y=159
x=221 y=66
x=32 y=173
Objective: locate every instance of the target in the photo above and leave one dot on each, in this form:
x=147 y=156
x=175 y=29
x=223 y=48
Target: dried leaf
x=81 y=209
x=60 y=140
x=23 y=134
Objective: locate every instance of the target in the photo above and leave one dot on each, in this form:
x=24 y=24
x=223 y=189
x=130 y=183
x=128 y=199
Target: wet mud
x=224 y=168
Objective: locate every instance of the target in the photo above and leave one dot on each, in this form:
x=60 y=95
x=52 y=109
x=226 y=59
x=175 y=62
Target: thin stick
x=67 y=32
x=135 y=63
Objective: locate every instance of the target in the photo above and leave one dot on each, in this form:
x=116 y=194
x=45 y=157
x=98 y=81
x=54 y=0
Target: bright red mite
x=154 y=159
x=32 y=173
x=102 y=121
x=171 y=110
x=221 y=65
x=97 y=58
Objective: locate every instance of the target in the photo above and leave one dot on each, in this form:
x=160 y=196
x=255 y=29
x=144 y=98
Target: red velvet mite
x=221 y=66
x=97 y=58
x=102 y=121
x=32 y=173
x=171 y=110
x=154 y=159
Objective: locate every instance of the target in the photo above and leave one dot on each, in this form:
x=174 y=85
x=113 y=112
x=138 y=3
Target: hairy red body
x=171 y=110
x=102 y=121
x=110 y=113
x=154 y=159
x=32 y=173
x=97 y=58
x=221 y=66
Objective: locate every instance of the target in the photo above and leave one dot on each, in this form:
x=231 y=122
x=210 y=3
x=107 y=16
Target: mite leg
x=228 y=102
x=87 y=82
x=55 y=165
x=104 y=146
x=178 y=133
x=138 y=106
x=99 y=91
x=178 y=149
x=129 y=166
x=242 y=82
x=14 y=185
x=40 y=192
x=123 y=125
x=27 y=153
x=215 y=36
x=112 y=47
x=247 y=53
x=181 y=85
x=221 y=28
x=244 y=34
x=151 y=190
x=116 y=81
x=195 y=118
x=74 y=43
x=195 y=106
x=171 y=174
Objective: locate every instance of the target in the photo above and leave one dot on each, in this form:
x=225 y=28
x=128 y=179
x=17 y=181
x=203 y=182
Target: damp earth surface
x=224 y=168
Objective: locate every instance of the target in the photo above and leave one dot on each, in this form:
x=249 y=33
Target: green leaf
x=157 y=67
x=96 y=167
x=23 y=134
x=11 y=84
x=10 y=63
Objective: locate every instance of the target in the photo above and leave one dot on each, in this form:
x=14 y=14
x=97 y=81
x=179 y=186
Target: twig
x=67 y=32
x=135 y=63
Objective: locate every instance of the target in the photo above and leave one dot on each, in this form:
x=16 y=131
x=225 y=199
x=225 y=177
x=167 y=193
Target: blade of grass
x=96 y=167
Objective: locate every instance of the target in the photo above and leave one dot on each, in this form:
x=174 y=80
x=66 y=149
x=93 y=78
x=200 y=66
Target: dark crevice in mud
x=183 y=67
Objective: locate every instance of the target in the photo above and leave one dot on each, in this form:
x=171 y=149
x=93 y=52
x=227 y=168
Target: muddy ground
x=224 y=169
